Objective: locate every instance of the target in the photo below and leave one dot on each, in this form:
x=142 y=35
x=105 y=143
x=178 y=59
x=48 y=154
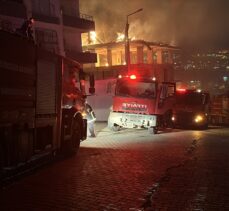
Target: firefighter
x=26 y=29
x=91 y=118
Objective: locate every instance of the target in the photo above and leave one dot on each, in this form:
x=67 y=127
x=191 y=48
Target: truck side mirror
x=92 y=84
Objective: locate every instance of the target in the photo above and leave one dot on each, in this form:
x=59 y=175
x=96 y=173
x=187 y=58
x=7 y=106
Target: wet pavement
x=201 y=182
x=131 y=170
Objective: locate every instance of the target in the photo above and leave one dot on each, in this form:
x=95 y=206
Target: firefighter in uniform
x=90 y=115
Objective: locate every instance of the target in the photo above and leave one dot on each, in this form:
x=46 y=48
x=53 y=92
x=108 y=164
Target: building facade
x=149 y=56
x=58 y=25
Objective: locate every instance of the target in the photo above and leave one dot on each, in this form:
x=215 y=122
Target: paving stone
x=116 y=170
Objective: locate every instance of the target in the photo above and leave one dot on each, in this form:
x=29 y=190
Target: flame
x=89 y=38
x=93 y=36
x=120 y=37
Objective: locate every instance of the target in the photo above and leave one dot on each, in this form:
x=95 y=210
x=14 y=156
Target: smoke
x=195 y=24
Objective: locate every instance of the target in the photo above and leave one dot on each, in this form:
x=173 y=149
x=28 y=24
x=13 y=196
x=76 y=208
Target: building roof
x=132 y=42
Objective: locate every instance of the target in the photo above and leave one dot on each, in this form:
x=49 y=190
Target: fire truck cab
x=191 y=109
x=141 y=102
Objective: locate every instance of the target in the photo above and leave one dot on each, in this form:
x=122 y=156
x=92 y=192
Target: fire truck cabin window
x=136 y=88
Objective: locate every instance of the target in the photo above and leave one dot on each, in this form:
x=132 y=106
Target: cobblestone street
x=201 y=182
x=131 y=170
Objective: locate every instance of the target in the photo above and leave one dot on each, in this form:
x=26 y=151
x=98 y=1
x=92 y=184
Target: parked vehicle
x=192 y=109
x=40 y=106
x=141 y=102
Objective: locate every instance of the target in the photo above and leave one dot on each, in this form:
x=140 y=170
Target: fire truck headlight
x=199 y=118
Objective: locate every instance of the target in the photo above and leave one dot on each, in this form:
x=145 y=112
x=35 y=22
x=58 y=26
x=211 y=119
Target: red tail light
x=181 y=90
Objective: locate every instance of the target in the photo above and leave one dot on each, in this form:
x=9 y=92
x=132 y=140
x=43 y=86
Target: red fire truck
x=40 y=107
x=192 y=109
x=141 y=102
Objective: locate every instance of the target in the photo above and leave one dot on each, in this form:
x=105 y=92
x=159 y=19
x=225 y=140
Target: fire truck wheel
x=76 y=134
x=152 y=130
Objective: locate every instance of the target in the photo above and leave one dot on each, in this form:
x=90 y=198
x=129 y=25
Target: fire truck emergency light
x=133 y=77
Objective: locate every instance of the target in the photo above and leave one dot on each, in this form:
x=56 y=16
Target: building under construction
x=144 y=56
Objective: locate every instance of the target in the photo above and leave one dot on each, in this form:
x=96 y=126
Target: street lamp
x=127 y=43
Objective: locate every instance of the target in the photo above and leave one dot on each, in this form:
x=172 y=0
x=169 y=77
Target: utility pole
x=127 y=41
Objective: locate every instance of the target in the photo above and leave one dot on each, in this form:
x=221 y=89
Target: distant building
x=58 y=25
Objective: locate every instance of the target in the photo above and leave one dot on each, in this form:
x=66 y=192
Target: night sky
x=190 y=24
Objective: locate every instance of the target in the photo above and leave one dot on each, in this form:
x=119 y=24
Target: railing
x=87 y=17
x=7 y=25
x=80 y=15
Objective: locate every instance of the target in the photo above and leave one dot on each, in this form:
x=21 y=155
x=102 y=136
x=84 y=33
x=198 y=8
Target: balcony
x=45 y=18
x=82 y=57
x=13 y=9
x=84 y=23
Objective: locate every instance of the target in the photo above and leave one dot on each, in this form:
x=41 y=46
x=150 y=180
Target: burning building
x=143 y=55
x=148 y=58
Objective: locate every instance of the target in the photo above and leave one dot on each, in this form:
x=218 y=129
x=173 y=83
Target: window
x=145 y=57
x=137 y=88
x=171 y=90
x=43 y=7
x=190 y=98
x=168 y=90
x=165 y=57
x=154 y=55
x=47 y=39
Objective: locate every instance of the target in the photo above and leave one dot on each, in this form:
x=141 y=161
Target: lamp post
x=127 y=42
